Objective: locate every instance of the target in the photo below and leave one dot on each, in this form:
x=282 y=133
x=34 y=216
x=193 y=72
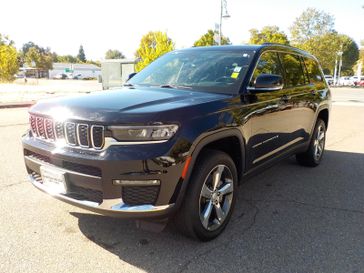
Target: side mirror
x=267 y=83
x=131 y=75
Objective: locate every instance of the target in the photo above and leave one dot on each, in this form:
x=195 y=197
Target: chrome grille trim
x=78 y=135
x=39 y=123
x=102 y=136
x=67 y=133
x=87 y=135
x=49 y=128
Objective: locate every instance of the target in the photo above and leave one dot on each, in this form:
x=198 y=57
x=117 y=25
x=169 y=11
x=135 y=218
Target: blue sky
x=119 y=24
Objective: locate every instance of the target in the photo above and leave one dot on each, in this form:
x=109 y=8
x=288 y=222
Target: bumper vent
x=75 y=134
x=140 y=195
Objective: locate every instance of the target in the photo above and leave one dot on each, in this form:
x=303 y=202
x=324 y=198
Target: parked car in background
x=60 y=76
x=361 y=83
x=329 y=79
x=77 y=77
x=356 y=80
x=345 y=81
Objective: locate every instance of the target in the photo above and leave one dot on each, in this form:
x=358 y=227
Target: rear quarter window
x=314 y=72
x=295 y=75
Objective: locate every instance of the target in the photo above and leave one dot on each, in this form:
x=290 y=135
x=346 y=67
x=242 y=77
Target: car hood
x=124 y=103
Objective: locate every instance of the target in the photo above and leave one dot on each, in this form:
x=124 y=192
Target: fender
x=197 y=147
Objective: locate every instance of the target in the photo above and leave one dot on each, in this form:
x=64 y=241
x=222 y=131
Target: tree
x=152 y=46
x=42 y=60
x=67 y=59
x=268 y=34
x=114 y=54
x=311 y=23
x=325 y=47
x=81 y=54
x=9 y=64
x=4 y=40
x=208 y=39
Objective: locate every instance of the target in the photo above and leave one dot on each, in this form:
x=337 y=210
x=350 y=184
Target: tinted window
x=202 y=70
x=268 y=64
x=293 y=68
x=314 y=71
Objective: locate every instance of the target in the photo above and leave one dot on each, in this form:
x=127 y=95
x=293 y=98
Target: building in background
x=77 y=71
x=115 y=72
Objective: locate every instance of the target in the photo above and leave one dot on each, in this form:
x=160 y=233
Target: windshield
x=220 y=71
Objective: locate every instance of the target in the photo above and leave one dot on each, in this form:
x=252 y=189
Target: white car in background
x=329 y=79
x=345 y=81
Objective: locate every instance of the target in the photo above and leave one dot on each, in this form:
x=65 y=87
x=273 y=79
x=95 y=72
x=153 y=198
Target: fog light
x=119 y=182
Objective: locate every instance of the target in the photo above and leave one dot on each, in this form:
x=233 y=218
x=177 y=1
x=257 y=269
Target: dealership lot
x=287 y=219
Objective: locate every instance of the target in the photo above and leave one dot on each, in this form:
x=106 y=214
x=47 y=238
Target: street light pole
x=221 y=7
x=335 y=71
x=222 y=15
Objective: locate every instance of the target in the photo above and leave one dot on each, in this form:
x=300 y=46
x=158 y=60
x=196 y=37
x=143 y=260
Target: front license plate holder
x=54 y=180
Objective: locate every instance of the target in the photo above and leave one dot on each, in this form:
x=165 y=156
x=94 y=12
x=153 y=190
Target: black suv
x=179 y=137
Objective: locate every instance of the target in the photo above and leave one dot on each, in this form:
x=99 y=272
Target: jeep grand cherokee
x=180 y=136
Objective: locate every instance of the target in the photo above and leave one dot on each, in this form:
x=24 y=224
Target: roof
x=75 y=66
x=251 y=48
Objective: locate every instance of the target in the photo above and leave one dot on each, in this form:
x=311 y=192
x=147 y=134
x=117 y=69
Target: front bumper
x=103 y=196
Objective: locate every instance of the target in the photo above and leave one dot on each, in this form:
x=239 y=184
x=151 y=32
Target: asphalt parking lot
x=287 y=219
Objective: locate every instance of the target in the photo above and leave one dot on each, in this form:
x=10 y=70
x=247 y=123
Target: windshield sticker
x=237 y=69
x=235 y=75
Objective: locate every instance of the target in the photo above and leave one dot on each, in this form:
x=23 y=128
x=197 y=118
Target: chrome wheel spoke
x=321 y=136
x=206 y=214
x=227 y=188
x=217 y=176
x=220 y=214
x=206 y=192
x=316 y=149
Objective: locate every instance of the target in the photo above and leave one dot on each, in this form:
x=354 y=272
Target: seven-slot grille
x=75 y=134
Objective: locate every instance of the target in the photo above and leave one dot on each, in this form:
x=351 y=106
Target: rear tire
x=312 y=157
x=210 y=197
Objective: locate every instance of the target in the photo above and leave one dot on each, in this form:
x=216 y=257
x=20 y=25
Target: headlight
x=143 y=133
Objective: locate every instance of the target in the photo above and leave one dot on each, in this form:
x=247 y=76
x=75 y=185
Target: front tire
x=312 y=157
x=210 y=198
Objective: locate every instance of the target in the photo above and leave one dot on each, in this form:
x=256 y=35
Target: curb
x=22 y=104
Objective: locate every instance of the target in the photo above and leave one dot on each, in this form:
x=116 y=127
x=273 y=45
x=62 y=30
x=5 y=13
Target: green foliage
x=41 y=59
x=268 y=34
x=67 y=59
x=9 y=64
x=325 y=48
x=81 y=54
x=208 y=39
x=311 y=23
x=114 y=54
x=152 y=46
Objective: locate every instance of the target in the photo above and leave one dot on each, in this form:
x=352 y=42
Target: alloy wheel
x=216 y=197
x=319 y=142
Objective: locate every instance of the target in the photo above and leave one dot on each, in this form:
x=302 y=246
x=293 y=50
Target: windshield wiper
x=174 y=86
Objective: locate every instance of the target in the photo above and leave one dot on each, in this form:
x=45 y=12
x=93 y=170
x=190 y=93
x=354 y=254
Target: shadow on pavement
x=287 y=219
